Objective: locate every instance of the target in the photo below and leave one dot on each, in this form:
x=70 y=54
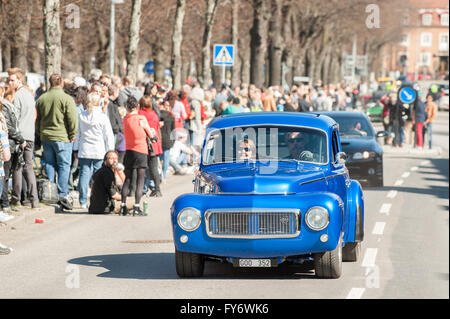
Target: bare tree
x=52 y=36
x=276 y=42
x=177 y=38
x=236 y=71
x=211 y=8
x=133 y=34
x=258 y=41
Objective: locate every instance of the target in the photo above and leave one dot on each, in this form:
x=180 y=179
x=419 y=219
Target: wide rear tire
x=189 y=265
x=329 y=264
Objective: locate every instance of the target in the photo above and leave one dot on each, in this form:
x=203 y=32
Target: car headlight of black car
x=363 y=155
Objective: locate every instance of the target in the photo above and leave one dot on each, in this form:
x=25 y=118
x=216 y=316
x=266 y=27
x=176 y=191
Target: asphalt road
x=405 y=253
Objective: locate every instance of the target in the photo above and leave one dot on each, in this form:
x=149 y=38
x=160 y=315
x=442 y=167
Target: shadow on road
x=441 y=175
x=162 y=266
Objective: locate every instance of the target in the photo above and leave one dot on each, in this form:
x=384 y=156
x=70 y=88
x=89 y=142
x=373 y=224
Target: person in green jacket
x=57 y=125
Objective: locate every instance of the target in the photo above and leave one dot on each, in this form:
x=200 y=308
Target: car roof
x=344 y=114
x=314 y=120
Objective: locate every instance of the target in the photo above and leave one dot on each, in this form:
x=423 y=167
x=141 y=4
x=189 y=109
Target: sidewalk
x=25 y=215
x=409 y=150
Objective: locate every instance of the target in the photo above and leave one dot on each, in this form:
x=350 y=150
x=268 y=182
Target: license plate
x=255 y=263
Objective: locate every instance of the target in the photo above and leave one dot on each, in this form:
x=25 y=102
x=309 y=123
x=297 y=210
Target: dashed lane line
x=378 y=229
x=356 y=293
x=369 y=257
x=398 y=182
x=392 y=194
x=385 y=208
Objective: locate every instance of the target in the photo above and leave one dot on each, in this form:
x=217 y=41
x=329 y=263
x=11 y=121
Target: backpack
x=47 y=191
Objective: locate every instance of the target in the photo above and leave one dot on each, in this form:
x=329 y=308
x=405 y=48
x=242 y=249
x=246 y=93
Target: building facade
x=423 y=51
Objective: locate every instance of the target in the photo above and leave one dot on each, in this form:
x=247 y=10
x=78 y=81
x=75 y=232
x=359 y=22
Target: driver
x=353 y=128
x=297 y=143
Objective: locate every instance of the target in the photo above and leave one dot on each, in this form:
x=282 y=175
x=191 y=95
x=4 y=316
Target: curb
x=25 y=215
x=389 y=150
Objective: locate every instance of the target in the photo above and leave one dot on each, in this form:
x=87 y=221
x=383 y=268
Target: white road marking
x=398 y=182
x=369 y=257
x=356 y=293
x=378 y=229
x=406 y=174
x=385 y=208
x=392 y=194
x=415 y=168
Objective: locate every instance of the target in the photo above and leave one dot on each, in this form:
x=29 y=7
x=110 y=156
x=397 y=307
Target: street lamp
x=112 y=34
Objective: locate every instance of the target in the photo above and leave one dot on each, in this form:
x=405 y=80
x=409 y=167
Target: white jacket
x=95 y=136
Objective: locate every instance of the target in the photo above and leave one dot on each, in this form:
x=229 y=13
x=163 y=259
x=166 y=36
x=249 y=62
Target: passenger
x=246 y=149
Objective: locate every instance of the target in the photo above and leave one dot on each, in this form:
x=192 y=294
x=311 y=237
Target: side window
x=335 y=145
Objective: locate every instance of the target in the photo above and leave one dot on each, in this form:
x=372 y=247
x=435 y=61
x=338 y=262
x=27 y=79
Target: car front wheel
x=329 y=264
x=189 y=264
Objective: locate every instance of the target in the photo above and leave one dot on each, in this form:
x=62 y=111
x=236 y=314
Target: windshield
x=354 y=127
x=266 y=143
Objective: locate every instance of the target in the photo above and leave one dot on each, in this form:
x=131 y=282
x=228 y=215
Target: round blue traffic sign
x=407 y=95
x=149 y=67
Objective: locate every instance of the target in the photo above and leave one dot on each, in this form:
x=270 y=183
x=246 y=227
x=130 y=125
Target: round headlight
x=189 y=219
x=317 y=218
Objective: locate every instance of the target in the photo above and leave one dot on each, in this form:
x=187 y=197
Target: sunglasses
x=298 y=140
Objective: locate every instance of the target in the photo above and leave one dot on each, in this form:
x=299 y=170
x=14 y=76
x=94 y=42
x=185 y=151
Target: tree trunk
x=52 y=36
x=258 y=41
x=326 y=68
x=177 y=38
x=276 y=45
x=245 y=57
x=211 y=9
x=102 y=55
x=21 y=38
x=311 y=63
x=34 y=53
x=159 y=59
x=236 y=70
x=133 y=36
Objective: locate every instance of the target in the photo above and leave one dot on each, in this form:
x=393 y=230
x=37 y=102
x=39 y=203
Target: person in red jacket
x=146 y=109
x=136 y=130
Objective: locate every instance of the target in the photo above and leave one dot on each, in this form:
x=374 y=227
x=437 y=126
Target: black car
x=359 y=142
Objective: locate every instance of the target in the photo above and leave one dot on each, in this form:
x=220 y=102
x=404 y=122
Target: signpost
x=224 y=56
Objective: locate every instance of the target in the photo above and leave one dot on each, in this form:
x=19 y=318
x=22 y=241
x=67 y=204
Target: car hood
x=280 y=178
x=353 y=145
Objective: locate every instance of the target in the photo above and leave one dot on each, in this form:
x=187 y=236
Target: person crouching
x=105 y=189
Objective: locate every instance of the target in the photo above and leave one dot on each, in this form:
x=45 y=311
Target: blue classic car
x=271 y=188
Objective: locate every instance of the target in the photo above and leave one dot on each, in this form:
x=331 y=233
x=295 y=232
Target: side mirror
x=341 y=158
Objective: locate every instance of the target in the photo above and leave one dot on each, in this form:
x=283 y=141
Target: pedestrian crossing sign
x=223 y=54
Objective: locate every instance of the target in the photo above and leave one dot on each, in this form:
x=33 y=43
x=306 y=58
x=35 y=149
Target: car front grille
x=273 y=223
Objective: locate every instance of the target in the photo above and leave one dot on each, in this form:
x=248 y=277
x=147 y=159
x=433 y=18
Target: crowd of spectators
x=82 y=125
